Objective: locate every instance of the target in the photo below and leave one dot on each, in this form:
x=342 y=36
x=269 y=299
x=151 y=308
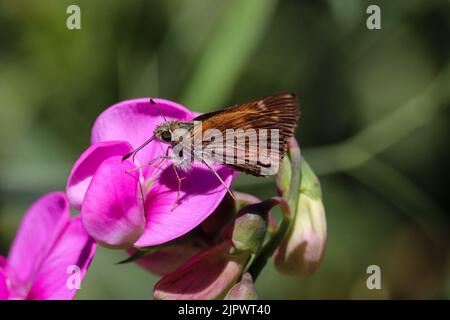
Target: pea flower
x=122 y=206
x=47 y=247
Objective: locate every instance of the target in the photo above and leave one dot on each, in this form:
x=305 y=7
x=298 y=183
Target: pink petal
x=111 y=211
x=3 y=287
x=55 y=279
x=208 y=275
x=168 y=259
x=302 y=250
x=201 y=193
x=243 y=290
x=134 y=121
x=4 y=292
x=3 y=262
x=37 y=233
x=85 y=167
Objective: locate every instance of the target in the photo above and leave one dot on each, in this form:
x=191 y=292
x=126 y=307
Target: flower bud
x=248 y=232
x=248 y=229
x=301 y=251
x=208 y=275
x=243 y=290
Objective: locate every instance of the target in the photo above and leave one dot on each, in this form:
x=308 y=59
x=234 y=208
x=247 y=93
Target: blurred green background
x=375 y=118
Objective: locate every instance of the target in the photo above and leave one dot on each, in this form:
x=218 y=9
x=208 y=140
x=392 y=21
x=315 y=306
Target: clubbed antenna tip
x=129 y=154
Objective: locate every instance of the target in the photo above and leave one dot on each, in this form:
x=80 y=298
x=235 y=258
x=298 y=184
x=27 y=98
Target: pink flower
x=109 y=195
x=47 y=245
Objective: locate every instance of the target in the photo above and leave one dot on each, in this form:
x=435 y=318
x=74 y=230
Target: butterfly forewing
x=279 y=111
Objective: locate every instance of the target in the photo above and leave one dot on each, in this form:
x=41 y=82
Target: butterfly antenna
x=159 y=110
x=133 y=153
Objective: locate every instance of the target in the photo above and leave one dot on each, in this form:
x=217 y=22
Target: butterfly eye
x=166 y=135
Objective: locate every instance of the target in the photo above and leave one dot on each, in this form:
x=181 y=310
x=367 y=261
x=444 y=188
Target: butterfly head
x=164 y=131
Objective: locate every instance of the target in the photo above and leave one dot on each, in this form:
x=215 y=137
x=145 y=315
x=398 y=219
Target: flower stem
x=287 y=206
x=269 y=248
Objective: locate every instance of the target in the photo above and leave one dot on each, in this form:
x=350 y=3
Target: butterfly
x=251 y=137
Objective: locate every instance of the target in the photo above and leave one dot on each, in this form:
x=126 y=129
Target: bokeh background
x=375 y=118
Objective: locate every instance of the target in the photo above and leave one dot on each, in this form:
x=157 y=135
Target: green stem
x=291 y=194
x=269 y=248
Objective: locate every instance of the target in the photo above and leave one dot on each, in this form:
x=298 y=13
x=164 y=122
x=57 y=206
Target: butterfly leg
x=220 y=179
x=179 y=187
x=174 y=166
x=151 y=162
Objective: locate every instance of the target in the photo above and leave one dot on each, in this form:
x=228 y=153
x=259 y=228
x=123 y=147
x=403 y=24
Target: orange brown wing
x=279 y=111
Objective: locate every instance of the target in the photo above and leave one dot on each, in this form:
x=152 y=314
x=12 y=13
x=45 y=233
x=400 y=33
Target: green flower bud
x=248 y=232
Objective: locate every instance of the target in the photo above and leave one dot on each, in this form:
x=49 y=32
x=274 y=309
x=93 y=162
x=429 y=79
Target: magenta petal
x=201 y=193
x=65 y=265
x=3 y=262
x=3 y=287
x=134 y=121
x=37 y=233
x=4 y=292
x=111 y=211
x=208 y=275
x=85 y=167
